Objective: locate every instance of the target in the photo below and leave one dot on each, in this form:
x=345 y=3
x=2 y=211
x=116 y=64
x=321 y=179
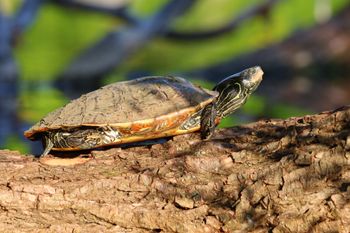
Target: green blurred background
x=59 y=34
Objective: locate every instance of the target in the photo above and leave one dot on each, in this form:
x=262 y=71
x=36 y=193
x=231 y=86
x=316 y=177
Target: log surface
x=272 y=175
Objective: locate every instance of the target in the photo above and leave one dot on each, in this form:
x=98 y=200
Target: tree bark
x=269 y=176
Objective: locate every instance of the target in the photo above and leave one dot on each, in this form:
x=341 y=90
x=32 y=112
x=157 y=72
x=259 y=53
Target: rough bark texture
x=269 y=176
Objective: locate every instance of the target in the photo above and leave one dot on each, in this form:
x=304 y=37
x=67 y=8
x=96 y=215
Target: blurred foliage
x=286 y=17
x=15 y=143
x=143 y=8
x=57 y=36
x=33 y=103
x=60 y=34
x=255 y=106
x=8 y=7
x=285 y=111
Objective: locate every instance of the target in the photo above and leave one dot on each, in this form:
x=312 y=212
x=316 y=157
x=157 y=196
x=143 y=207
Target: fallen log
x=273 y=175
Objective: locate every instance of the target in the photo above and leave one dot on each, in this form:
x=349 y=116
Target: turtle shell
x=130 y=103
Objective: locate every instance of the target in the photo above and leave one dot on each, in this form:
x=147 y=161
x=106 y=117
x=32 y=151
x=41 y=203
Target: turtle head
x=235 y=89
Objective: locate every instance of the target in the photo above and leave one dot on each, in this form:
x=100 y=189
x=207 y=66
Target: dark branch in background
x=302 y=69
x=117 y=46
x=120 y=12
x=112 y=50
x=8 y=82
x=10 y=28
x=26 y=14
x=262 y=9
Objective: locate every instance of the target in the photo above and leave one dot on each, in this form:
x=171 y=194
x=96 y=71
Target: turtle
x=142 y=109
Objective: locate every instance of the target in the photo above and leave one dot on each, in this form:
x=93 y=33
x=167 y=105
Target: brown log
x=269 y=176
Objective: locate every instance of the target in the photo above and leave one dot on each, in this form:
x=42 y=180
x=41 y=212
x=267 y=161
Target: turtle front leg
x=48 y=146
x=208 y=121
